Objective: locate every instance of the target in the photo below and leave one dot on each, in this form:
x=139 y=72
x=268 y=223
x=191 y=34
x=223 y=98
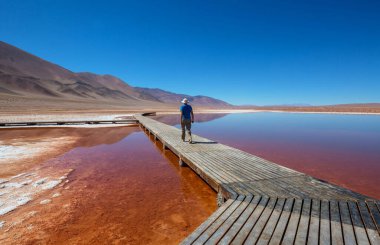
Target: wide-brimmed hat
x=184 y=101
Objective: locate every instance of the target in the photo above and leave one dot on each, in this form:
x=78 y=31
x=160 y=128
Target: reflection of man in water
x=187 y=118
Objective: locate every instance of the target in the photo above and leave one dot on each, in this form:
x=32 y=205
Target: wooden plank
x=221 y=219
x=282 y=223
x=229 y=222
x=303 y=225
x=270 y=188
x=325 y=228
x=313 y=237
x=253 y=162
x=241 y=221
x=336 y=226
x=375 y=213
x=250 y=168
x=370 y=226
x=277 y=187
x=348 y=230
x=359 y=229
x=199 y=231
x=204 y=171
x=207 y=171
x=271 y=225
x=256 y=231
x=244 y=231
x=291 y=230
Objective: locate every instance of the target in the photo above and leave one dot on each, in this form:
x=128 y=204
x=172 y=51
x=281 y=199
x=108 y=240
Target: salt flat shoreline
x=104 y=115
x=275 y=111
x=36 y=186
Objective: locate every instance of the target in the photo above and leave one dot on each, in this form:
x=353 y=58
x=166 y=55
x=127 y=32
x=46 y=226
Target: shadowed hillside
x=27 y=80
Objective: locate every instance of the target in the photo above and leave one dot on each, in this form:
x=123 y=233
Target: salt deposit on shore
x=59 y=117
x=25 y=179
x=18 y=152
x=46 y=201
x=18 y=190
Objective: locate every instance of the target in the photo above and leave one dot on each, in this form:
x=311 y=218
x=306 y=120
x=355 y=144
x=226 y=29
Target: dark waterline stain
x=342 y=149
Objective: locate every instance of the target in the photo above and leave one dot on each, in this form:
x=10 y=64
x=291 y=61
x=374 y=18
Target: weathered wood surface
x=263 y=220
x=268 y=203
x=66 y=122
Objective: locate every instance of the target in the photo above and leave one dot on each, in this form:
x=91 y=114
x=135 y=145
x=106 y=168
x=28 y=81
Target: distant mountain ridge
x=168 y=97
x=27 y=75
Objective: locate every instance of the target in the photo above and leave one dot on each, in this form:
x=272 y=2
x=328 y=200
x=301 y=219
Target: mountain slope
x=27 y=75
x=18 y=62
x=170 y=98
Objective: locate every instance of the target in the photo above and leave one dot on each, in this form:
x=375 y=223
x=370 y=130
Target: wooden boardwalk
x=267 y=203
x=271 y=220
x=65 y=122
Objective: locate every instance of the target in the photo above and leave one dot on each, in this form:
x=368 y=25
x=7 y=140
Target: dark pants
x=186 y=125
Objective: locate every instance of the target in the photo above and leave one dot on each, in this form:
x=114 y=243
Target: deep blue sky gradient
x=245 y=52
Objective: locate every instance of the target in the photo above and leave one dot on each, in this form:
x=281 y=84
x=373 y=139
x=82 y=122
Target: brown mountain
x=170 y=98
x=23 y=75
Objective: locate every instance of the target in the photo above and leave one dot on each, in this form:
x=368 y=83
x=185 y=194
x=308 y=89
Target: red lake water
x=123 y=190
x=341 y=149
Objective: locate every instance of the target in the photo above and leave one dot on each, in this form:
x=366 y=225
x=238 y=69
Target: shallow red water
x=342 y=149
x=123 y=190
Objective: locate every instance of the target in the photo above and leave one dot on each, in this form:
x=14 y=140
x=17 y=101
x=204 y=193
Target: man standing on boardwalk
x=187 y=118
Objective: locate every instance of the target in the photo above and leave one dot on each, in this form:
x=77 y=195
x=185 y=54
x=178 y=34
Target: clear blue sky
x=245 y=52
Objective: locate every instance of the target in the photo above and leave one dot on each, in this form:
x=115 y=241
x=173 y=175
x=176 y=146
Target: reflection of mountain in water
x=28 y=147
x=104 y=136
x=174 y=119
x=84 y=137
